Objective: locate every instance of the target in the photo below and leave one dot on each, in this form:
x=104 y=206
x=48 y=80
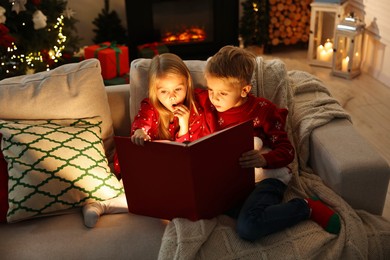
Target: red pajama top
x=269 y=124
x=147 y=119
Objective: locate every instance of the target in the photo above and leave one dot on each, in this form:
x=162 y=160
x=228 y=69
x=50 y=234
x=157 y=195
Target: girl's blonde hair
x=161 y=66
x=232 y=64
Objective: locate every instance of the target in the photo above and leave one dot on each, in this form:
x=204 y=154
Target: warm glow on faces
x=171 y=91
x=224 y=95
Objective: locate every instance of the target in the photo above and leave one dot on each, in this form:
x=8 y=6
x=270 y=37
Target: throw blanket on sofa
x=362 y=235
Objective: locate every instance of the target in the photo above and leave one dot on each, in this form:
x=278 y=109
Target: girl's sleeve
x=183 y=138
x=145 y=119
x=282 y=151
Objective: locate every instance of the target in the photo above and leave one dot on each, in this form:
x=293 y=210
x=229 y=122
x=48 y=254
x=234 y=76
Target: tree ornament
x=68 y=12
x=6 y=39
x=39 y=20
x=18 y=5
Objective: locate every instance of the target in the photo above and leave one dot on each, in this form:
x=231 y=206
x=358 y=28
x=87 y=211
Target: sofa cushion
x=116 y=236
x=55 y=165
x=73 y=90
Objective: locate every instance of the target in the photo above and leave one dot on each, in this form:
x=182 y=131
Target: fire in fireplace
x=192 y=29
x=183 y=21
x=184 y=35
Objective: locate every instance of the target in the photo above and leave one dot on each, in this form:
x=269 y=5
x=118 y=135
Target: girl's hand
x=183 y=114
x=251 y=159
x=139 y=137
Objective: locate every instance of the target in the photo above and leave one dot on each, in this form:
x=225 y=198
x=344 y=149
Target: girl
x=172 y=111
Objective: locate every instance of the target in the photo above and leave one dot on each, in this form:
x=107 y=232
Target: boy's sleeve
x=282 y=151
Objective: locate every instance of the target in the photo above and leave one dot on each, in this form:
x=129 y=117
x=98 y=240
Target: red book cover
x=197 y=180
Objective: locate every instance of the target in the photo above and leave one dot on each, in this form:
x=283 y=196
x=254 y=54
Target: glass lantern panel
x=342 y=58
x=357 y=52
x=324 y=27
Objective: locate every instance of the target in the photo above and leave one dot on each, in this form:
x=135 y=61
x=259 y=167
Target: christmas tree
x=109 y=27
x=35 y=35
x=254 y=22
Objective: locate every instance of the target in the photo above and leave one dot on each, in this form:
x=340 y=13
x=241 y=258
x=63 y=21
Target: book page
x=169 y=142
x=215 y=133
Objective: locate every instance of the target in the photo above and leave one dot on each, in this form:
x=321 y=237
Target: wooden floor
x=365 y=98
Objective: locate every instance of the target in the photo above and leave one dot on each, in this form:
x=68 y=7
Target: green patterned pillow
x=55 y=165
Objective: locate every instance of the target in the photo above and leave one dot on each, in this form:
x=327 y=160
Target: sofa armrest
x=349 y=165
x=118 y=99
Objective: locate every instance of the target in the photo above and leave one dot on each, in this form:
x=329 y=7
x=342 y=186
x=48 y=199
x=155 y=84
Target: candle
x=324 y=55
x=356 y=60
x=328 y=45
x=325 y=52
x=344 y=64
x=320 y=48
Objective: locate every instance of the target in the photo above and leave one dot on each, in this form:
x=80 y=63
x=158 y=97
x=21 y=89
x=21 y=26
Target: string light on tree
x=53 y=54
x=44 y=35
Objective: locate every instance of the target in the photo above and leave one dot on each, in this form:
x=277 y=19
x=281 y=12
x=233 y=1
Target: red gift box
x=114 y=59
x=149 y=50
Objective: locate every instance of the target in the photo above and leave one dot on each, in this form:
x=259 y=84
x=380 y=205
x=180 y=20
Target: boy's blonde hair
x=231 y=63
x=161 y=66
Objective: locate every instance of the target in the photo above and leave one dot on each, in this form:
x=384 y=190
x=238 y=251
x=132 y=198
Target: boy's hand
x=251 y=159
x=139 y=137
x=183 y=114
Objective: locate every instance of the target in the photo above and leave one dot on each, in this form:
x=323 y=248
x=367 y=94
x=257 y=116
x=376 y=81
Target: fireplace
x=192 y=29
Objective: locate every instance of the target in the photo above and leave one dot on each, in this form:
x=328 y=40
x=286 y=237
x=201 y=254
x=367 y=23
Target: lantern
x=323 y=20
x=348 y=47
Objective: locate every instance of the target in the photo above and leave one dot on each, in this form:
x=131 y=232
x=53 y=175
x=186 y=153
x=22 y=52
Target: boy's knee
x=249 y=231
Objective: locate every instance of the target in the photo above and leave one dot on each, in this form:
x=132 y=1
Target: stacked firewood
x=289 y=21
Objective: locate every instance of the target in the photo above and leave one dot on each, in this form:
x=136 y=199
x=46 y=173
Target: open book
x=196 y=180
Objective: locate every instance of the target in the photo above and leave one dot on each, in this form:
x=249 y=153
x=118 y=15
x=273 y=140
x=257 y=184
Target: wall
x=377 y=39
x=375 y=12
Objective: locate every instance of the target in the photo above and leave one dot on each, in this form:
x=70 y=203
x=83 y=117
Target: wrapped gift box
x=114 y=59
x=149 y=50
x=117 y=81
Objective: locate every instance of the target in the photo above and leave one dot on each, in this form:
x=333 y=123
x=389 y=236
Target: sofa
x=337 y=153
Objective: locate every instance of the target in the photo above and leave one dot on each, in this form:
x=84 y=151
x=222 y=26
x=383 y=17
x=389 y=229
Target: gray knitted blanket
x=362 y=235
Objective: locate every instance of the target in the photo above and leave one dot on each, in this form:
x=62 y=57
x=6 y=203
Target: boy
x=228 y=75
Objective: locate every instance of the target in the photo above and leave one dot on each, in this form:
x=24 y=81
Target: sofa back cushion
x=70 y=91
x=269 y=80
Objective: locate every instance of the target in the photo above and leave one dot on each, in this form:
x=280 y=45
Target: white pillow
x=70 y=91
x=55 y=165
